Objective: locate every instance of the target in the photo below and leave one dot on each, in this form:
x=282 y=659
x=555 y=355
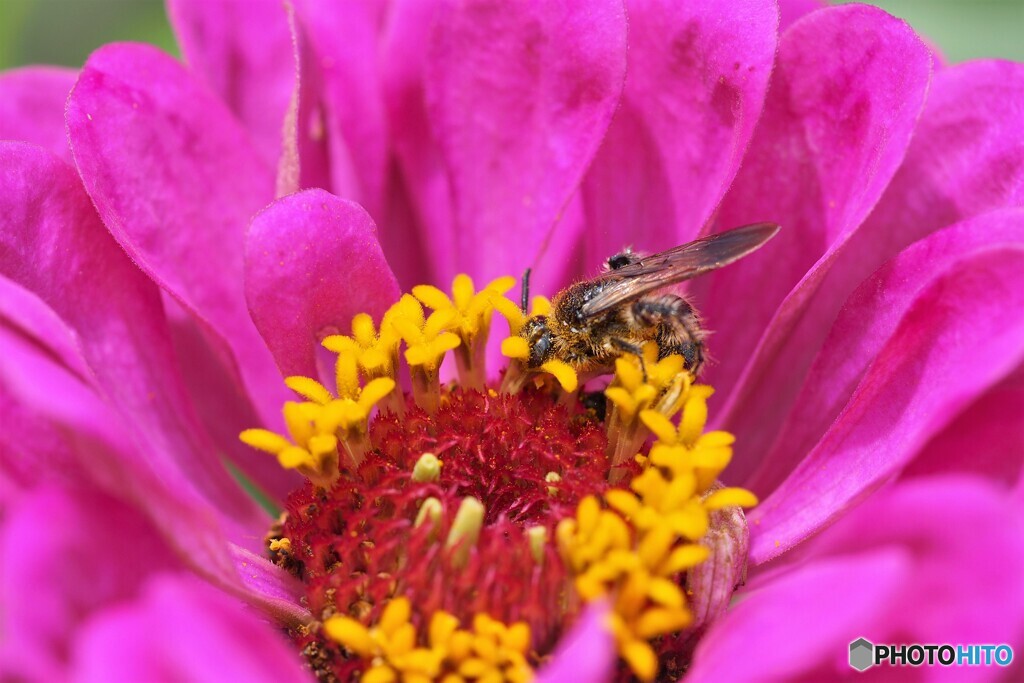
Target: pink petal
x=934 y=561
x=791 y=10
x=418 y=234
x=32 y=318
x=586 y=653
x=179 y=629
x=845 y=96
x=312 y=263
x=55 y=246
x=785 y=627
x=344 y=37
x=75 y=439
x=863 y=330
x=66 y=555
x=176 y=181
x=964 y=536
x=32 y=106
x=963 y=333
x=986 y=439
x=519 y=96
x=697 y=76
x=964 y=159
x=304 y=157
x=243 y=52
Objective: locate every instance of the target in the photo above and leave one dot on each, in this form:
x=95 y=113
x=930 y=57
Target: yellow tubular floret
x=470 y=320
x=639 y=385
x=427 y=341
x=487 y=650
x=314 y=453
x=631 y=545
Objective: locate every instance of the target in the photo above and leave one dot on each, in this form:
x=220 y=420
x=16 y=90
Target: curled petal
x=966 y=158
x=875 y=574
x=864 y=326
x=312 y=263
x=985 y=439
x=913 y=389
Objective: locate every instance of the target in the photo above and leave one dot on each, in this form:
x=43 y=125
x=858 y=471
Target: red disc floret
x=358 y=545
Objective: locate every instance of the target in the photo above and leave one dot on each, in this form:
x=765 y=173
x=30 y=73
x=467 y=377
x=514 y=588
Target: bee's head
x=535 y=331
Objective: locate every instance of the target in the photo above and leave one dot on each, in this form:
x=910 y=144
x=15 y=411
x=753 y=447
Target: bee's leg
x=679 y=330
x=629 y=347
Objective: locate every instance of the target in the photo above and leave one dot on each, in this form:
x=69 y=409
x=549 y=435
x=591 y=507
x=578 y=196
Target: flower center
x=459 y=532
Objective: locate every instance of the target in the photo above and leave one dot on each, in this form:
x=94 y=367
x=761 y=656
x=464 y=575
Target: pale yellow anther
x=552 y=478
x=426 y=469
x=429 y=512
x=564 y=373
x=309 y=389
x=465 y=530
x=537 y=536
x=280 y=545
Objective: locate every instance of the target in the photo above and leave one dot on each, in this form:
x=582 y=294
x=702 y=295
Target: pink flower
x=869 y=360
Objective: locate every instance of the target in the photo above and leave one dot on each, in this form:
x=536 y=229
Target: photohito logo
x=864 y=654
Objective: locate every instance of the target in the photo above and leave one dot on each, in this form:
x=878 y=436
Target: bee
x=593 y=322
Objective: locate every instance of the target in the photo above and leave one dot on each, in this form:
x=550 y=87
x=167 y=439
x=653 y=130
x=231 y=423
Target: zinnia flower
x=221 y=249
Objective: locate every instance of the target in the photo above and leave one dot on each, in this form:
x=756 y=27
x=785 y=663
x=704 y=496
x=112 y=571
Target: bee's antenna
x=526 y=290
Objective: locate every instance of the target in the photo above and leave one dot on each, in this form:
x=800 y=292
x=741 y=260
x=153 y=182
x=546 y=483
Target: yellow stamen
x=488 y=650
x=642 y=385
x=309 y=389
x=314 y=453
x=427 y=341
x=470 y=319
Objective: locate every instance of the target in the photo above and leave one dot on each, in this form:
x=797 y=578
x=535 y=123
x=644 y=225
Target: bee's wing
x=677 y=264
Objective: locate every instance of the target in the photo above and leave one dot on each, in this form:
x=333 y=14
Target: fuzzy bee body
x=595 y=321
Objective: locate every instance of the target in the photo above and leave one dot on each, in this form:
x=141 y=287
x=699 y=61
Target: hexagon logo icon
x=861 y=654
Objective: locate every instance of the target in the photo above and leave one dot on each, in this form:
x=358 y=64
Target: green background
x=65 y=31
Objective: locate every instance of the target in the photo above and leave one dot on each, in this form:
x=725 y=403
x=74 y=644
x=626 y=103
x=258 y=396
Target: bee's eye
x=540 y=347
x=619 y=260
